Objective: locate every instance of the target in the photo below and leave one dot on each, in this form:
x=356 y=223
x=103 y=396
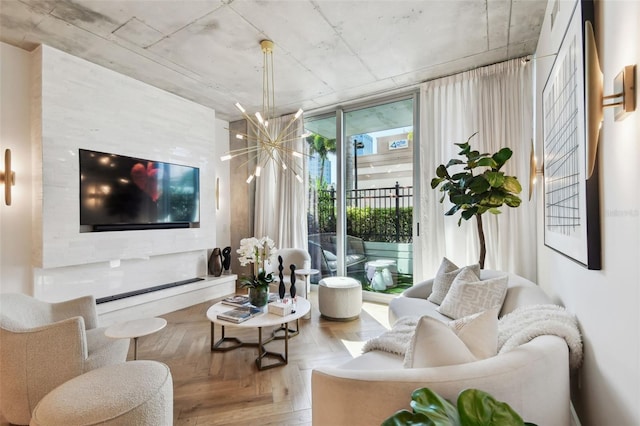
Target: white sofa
x=533 y=378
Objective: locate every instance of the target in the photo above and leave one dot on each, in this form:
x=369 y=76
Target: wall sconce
x=8 y=177
x=532 y=171
x=217 y=193
x=624 y=86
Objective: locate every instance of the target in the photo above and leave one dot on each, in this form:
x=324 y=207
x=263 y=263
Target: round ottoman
x=130 y=393
x=339 y=298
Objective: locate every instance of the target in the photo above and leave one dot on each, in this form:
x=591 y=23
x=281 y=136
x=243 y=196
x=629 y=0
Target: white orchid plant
x=258 y=252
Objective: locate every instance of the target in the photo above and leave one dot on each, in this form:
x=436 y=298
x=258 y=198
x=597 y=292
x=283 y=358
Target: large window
x=360 y=196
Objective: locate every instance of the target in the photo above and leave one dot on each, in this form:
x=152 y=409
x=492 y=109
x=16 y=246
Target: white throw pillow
x=447 y=272
x=436 y=344
x=468 y=294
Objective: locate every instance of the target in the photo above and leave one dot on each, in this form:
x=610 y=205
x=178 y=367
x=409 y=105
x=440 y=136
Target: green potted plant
x=475 y=194
x=257 y=252
x=473 y=408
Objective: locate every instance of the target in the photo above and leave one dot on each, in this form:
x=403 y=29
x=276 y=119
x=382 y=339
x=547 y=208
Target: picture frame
x=571 y=201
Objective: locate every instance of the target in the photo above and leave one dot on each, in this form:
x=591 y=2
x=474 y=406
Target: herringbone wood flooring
x=214 y=388
x=226 y=388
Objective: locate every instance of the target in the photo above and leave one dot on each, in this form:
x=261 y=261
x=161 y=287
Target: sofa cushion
x=447 y=272
x=413 y=307
x=436 y=344
x=329 y=256
x=468 y=294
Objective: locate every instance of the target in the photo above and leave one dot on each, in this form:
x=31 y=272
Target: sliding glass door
x=361 y=194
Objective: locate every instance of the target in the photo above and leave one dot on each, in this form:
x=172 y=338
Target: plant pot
x=259 y=296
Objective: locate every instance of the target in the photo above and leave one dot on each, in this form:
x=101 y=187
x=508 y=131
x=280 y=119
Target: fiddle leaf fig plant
x=474 y=194
x=474 y=408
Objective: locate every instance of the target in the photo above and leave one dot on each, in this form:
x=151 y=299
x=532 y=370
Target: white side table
x=306 y=274
x=134 y=329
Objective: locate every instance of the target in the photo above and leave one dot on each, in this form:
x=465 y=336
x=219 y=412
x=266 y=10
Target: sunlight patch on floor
x=379 y=312
x=354 y=348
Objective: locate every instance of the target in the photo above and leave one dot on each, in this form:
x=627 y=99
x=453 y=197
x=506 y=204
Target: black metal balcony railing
x=380 y=214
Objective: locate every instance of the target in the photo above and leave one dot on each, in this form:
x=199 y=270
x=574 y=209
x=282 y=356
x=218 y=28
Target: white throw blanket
x=514 y=329
x=528 y=322
x=395 y=340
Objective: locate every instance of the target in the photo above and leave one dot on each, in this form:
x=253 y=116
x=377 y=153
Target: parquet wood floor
x=215 y=388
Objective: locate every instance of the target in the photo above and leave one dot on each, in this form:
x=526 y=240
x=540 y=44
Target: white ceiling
x=327 y=52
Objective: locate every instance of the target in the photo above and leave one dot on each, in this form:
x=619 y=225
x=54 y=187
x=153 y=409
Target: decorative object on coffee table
x=215 y=262
x=292 y=289
x=226 y=260
x=257 y=252
x=259 y=296
x=281 y=287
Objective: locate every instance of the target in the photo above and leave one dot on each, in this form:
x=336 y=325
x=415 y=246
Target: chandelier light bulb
x=258 y=171
x=242 y=110
x=226 y=157
x=249 y=179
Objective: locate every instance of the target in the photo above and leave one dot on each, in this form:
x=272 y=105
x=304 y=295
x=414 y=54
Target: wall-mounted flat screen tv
x=125 y=193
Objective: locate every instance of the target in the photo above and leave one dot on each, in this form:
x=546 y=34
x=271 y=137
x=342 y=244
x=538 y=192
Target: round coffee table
x=260 y=321
x=134 y=329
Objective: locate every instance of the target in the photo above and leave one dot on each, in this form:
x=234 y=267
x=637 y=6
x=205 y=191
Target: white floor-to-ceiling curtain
x=280 y=209
x=496 y=101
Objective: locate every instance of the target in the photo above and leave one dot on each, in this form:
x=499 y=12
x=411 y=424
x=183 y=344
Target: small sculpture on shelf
x=215 y=262
x=226 y=260
x=281 y=288
x=292 y=289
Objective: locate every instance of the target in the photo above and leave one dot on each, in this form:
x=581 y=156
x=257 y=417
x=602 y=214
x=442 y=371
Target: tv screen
x=120 y=193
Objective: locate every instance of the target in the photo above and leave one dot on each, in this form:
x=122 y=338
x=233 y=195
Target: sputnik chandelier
x=271 y=143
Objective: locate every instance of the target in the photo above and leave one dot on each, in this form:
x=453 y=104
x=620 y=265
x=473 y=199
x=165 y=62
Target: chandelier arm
x=248 y=160
x=293 y=120
x=264 y=133
x=250 y=119
x=246 y=149
x=289 y=137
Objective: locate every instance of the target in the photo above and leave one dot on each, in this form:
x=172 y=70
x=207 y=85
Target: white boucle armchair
x=43 y=345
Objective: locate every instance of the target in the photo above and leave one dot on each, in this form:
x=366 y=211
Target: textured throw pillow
x=468 y=294
x=447 y=272
x=436 y=344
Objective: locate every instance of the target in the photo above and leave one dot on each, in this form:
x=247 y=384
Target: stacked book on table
x=237 y=300
x=240 y=314
x=243 y=300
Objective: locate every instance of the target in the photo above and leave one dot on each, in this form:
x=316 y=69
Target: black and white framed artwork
x=571 y=201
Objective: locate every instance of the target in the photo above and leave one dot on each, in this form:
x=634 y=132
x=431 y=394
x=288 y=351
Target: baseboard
x=370 y=296
x=164 y=301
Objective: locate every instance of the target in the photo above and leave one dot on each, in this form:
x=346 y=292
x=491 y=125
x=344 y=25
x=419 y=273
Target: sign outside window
x=398 y=144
